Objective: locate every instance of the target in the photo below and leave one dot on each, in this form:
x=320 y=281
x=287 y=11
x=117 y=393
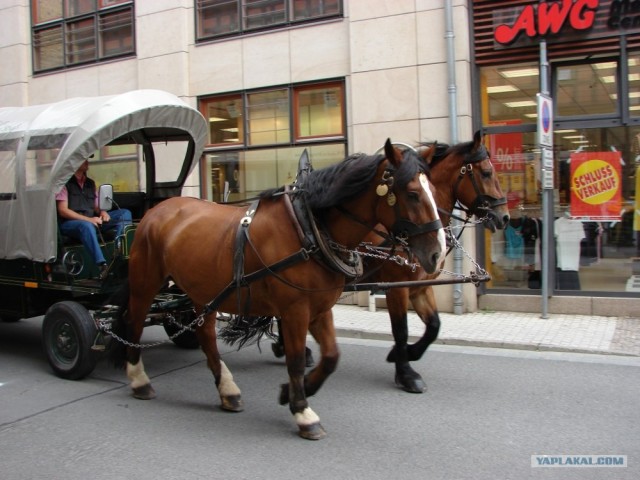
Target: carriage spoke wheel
x=68 y=334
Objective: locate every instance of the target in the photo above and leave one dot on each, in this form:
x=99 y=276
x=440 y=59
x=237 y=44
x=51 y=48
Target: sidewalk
x=563 y=333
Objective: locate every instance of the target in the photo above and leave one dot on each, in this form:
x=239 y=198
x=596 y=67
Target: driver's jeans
x=87 y=233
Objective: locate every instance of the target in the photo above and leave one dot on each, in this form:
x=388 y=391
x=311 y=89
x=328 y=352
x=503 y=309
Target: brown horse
x=464 y=176
x=462 y=173
x=206 y=248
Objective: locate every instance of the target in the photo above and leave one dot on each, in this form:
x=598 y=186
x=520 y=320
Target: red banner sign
x=548 y=17
x=596 y=188
x=506 y=150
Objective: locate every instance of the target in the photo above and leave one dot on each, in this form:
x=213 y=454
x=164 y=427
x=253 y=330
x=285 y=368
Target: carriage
x=318 y=222
x=146 y=143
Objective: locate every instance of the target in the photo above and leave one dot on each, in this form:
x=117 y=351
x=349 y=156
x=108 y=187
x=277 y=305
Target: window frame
x=242 y=148
x=64 y=37
x=294 y=127
x=243 y=28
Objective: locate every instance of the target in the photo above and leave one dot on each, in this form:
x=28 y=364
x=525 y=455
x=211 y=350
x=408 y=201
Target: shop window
x=223 y=17
x=226 y=121
x=254 y=145
x=509 y=94
x=596 y=211
x=268 y=117
x=71 y=32
x=586 y=89
x=318 y=111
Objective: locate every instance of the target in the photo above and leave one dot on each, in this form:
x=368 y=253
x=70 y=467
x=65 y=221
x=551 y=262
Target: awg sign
x=548 y=18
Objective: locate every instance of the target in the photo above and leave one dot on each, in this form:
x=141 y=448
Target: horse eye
x=413 y=196
x=486 y=174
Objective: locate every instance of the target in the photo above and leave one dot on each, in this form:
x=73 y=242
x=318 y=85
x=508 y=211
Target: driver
x=80 y=217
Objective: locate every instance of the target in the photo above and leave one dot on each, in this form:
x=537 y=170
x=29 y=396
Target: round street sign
x=545 y=120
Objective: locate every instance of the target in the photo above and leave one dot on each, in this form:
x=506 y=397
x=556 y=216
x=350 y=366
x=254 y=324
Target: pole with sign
x=545 y=142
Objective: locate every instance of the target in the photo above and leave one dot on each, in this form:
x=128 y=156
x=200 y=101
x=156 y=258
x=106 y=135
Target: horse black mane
x=443 y=150
x=339 y=183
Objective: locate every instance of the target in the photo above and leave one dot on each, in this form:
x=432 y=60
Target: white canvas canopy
x=74 y=129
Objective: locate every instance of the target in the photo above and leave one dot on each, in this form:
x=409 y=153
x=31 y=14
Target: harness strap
x=300 y=256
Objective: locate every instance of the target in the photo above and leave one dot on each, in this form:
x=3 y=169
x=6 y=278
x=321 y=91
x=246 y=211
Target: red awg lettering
x=549 y=18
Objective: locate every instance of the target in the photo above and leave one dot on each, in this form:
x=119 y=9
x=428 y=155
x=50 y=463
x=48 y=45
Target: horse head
x=472 y=179
x=408 y=209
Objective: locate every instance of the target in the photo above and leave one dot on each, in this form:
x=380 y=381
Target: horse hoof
x=232 y=403
x=411 y=384
x=283 y=398
x=309 y=357
x=313 y=431
x=278 y=350
x=145 y=392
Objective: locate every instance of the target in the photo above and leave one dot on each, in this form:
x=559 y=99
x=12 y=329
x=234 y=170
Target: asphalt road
x=486 y=412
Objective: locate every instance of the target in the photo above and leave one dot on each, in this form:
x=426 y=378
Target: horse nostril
x=506 y=219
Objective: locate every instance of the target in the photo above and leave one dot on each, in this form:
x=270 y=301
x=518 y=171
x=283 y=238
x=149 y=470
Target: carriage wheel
x=68 y=334
x=186 y=339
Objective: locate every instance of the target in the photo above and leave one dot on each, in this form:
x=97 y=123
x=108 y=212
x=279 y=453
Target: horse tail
x=117 y=349
x=243 y=330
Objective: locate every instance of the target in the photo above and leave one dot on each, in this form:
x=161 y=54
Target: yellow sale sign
x=596 y=190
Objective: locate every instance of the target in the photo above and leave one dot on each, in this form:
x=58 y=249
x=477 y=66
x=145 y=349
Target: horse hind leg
x=138 y=379
x=230 y=395
x=144 y=283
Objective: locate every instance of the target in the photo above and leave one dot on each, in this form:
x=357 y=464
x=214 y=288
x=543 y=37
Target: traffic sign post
x=545 y=138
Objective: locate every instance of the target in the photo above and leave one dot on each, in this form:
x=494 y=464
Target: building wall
x=392 y=54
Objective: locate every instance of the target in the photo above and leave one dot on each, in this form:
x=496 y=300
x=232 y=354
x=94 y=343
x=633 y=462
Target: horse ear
x=477 y=139
x=427 y=154
x=391 y=153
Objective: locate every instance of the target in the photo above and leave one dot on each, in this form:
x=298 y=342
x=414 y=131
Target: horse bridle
x=483 y=203
x=403 y=228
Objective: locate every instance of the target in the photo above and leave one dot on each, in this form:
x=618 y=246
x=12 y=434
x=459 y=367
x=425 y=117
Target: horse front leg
x=406 y=377
x=278 y=347
x=294 y=330
x=423 y=300
x=323 y=331
x=230 y=395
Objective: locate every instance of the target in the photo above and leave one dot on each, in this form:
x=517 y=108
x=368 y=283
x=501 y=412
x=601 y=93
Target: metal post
x=453 y=126
x=547 y=197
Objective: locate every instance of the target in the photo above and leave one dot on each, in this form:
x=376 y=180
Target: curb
x=372 y=335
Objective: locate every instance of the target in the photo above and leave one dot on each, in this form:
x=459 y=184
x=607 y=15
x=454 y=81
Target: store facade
x=593 y=223
x=333 y=77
